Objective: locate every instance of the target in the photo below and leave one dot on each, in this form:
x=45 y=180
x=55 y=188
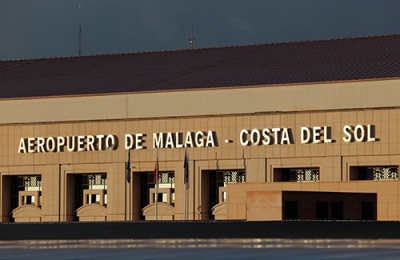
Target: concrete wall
x=209 y=110
x=221 y=101
x=264 y=201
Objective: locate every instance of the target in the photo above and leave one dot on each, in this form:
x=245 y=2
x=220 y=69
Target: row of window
x=167 y=179
x=329 y=210
x=375 y=173
x=237 y=176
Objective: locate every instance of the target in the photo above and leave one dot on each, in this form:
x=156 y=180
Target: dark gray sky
x=49 y=28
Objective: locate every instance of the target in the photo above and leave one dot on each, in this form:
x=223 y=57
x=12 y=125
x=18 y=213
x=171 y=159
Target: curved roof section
x=265 y=64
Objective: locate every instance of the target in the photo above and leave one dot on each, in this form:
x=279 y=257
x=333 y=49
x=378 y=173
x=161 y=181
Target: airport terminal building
x=298 y=130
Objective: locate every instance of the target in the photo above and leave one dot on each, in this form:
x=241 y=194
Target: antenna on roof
x=80 y=30
x=192 y=40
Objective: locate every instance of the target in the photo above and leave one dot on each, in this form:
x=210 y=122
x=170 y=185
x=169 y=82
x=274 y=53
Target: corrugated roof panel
x=266 y=64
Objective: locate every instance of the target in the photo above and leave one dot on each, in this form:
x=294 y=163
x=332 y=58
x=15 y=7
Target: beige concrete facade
x=349 y=125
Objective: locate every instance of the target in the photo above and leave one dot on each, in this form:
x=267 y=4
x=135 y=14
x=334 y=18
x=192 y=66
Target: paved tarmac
x=201 y=249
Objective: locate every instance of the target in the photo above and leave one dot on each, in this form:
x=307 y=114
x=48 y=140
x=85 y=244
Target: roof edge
x=205 y=48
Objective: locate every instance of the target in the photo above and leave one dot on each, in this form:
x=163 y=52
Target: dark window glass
x=290 y=209
x=322 y=210
x=367 y=211
x=337 y=210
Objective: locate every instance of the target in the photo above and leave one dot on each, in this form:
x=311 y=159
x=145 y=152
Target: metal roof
x=345 y=59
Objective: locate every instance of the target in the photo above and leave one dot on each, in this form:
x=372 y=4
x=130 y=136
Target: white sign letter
x=158 y=140
x=243 y=137
x=347 y=132
x=21 y=147
x=305 y=135
x=210 y=139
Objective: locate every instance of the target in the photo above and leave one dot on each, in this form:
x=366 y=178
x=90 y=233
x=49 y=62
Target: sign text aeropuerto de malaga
x=170 y=140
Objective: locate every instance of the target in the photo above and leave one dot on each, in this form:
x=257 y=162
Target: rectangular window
x=329 y=210
x=96 y=182
x=337 y=210
x=329 y=205
x=166 y=180
x=233 y=176
x=31 y=183
x=367 y=211
x=322 y=210
x=296 y=174
x=290 y=209
x=222 y=179
x=375 y=173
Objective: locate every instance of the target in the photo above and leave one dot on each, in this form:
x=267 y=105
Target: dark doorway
x=17 y=185
x=367 y=211
x=290 y=209
x=322 y=210
x=336 y=210
x=81 y=182
x=76 y=184
x=146 y=183
x=329 y=205
x=216 y=181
